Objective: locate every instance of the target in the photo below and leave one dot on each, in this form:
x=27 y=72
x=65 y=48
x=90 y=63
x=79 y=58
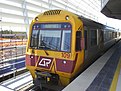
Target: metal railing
x=12 y=53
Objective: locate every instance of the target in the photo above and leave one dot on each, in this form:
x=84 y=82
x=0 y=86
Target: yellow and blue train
x=61 y=44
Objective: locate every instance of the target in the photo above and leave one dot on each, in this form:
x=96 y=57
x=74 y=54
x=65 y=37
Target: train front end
x=50 y=52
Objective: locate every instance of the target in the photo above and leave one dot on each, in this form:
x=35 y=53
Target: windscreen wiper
x=46 y=52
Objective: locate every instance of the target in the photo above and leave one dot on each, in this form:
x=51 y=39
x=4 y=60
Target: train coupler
x=43 y=78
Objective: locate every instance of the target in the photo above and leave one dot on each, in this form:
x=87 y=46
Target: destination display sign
x=51 y=25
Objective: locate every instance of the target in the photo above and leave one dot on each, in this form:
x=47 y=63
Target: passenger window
x=93 y=37
x=78 y=40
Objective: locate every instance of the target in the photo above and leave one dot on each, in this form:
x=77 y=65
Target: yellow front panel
x=73 y=58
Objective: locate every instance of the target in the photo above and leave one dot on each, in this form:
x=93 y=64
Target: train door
x=78 y=40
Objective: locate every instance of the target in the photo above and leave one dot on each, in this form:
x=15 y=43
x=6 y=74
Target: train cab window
x=49 y=39
x=34 y=39
x=55 y=37
x=78 y=40
x=93 y=37
x=66 y=40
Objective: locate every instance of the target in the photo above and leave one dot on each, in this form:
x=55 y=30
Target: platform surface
x=99 y=76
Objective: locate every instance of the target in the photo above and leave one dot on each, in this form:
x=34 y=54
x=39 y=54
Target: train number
x=65 y=55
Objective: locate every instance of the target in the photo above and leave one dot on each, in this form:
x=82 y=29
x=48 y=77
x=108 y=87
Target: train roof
x=89 y=22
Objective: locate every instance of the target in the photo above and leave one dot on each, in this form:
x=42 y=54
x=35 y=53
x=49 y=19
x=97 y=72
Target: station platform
x=103 y=75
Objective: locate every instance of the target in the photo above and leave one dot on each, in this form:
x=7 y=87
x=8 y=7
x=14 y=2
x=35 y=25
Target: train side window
x=113 y=34
x=78 y=40
x=93 y=37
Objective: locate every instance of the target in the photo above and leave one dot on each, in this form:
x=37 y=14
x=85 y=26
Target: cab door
x=79 y=47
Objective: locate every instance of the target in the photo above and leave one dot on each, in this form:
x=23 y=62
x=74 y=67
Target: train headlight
x=64 y=62
x=67 y=17
x=64 y=65
x=31 y=56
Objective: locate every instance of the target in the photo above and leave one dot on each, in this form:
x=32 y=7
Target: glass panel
x=66 y=40
x=52 y=38
x=34 y=38
x=49 y=39
x=93 y=37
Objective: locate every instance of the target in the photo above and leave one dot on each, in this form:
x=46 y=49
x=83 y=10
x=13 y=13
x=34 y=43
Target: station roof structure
x=16 y=15
x=111 y=8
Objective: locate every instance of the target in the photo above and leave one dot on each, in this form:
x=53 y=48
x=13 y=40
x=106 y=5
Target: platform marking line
x=116 y=76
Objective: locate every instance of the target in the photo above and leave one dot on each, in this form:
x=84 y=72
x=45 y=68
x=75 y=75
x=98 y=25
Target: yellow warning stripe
x=115 y=78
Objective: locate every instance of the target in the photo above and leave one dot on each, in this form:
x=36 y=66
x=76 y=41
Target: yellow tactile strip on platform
x=115 y=78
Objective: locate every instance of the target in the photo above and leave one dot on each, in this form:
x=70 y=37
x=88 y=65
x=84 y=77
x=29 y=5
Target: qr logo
x=45 y=62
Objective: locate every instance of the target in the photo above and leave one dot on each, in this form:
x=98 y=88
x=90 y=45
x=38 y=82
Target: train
x=61 y=44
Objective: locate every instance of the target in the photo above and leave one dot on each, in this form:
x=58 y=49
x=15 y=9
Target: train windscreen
x=55 y=37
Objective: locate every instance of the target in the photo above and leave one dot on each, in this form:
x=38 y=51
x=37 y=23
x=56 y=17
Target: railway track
x=31 y=87
x=27 y=87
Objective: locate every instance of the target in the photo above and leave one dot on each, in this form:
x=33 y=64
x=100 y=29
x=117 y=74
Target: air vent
x=52 y=12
